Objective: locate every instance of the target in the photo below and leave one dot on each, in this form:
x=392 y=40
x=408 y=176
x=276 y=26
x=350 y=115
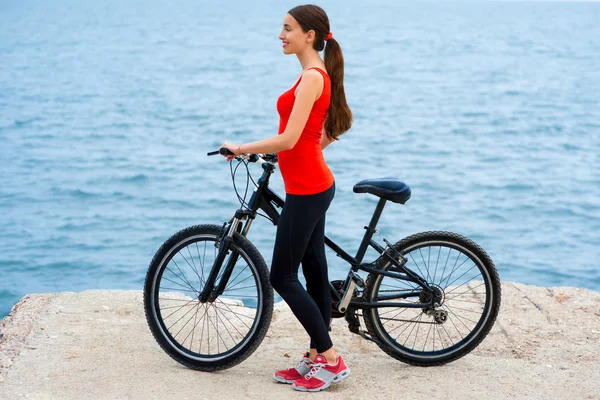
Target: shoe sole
x=338 y=378
x=282 y=379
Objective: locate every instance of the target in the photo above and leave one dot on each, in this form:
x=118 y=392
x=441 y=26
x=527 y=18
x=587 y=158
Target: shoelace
x=303 y=362
x=314 y=369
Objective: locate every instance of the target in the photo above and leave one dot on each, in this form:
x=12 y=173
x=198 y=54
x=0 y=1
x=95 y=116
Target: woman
x=313 y=113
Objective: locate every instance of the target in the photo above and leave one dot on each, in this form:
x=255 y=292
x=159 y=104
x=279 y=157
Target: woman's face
x=294 y=40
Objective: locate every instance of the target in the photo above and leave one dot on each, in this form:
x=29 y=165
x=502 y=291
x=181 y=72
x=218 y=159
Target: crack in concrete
x=503 y=331
x=540 y=309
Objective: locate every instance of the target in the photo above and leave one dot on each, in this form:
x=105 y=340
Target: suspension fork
x=210 y=291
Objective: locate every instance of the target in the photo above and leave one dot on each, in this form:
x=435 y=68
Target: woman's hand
x=233 y=148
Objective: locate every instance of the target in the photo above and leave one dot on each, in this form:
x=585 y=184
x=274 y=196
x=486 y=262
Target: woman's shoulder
x=316 y=71
x=313 y=76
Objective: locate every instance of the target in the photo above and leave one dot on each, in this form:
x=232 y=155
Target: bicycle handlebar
x=256 y=158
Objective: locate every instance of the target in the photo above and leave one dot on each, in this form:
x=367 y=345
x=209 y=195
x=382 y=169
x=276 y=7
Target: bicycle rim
x=211 y=331
x=463 y=289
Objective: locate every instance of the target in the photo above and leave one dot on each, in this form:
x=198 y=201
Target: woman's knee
x=278 y=279
x=283 y=282
x=275 y=279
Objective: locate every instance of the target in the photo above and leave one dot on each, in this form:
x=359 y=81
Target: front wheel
x=466 y=300
x=217 y=334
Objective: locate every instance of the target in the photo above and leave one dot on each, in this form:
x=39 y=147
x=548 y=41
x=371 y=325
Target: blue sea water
x=489 y=111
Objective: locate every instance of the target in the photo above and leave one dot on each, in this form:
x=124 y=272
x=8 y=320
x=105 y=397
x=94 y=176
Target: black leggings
x=301 y=238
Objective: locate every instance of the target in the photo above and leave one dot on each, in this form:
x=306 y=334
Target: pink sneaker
x=322 y=375
x=290 y=375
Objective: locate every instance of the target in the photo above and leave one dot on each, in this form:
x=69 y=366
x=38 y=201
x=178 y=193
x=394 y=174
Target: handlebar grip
x=223 y=150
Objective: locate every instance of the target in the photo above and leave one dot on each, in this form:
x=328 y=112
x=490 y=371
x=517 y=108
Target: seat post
x=370 y=230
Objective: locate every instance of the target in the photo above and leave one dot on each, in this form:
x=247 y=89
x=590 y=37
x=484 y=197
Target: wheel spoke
x=404 y=282
x=459 y=317
x=236 y=314
x=188 y=321
x=193 y=329
x=233 y=312
x=417 y=333
x=464 y=273
x=173 y=324
x=231 y=287
x=227 y=319
x=468 y=290
x=218 y=334
x=445 y=265
x=193 y=263
x=454 y=268
x=184 y=277
x=463 y=309
x=179 y=308
x=465 y=301
x=242 y=288
x=417 y=265
x=183 y=290
x=406 y=323
x=202 y=332
x=436 y=266
x=392 y=309
x=170 y=299
x=455 y=327
x=449 y=337
x=411 y=331
x=176 y=283
x=201 y=262
x=425 y=264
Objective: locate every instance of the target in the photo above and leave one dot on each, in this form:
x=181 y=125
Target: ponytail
x=339 y=118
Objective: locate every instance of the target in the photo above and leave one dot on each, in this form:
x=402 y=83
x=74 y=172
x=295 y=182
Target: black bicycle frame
x=265 y=199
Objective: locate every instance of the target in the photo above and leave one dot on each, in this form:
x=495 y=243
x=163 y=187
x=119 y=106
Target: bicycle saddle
x=388 y=188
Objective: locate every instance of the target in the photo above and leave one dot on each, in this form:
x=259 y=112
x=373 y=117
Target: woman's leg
x=314 y=267
x=298 y=220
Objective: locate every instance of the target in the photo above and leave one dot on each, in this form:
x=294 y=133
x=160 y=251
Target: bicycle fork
x=210 y=292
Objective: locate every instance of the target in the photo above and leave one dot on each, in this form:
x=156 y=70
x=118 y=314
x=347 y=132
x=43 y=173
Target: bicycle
x=409 y=297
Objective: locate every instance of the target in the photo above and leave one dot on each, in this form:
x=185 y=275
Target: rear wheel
x=213 y=335
x=466 y=292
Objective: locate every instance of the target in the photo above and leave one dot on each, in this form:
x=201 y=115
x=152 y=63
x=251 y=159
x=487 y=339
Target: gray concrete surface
x=96 y=345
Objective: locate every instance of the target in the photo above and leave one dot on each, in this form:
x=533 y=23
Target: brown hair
x=339 y=117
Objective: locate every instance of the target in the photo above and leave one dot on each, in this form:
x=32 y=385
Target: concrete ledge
x=96 y=344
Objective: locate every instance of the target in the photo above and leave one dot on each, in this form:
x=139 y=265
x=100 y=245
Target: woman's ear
x=310 y=36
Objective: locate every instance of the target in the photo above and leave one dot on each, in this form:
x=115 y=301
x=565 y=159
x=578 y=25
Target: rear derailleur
x=439 y=316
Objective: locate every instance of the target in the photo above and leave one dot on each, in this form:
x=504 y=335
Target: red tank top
x=303 y=167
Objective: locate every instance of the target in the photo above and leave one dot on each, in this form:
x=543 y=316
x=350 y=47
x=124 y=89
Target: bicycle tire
x=264 y=303
x=479 y=332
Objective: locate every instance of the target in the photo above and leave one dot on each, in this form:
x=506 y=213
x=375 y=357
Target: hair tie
x=329 y=36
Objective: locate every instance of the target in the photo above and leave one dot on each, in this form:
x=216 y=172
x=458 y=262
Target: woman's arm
x=308 y=89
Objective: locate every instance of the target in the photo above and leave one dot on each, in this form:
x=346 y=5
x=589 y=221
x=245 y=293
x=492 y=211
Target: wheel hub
x=437 y=295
